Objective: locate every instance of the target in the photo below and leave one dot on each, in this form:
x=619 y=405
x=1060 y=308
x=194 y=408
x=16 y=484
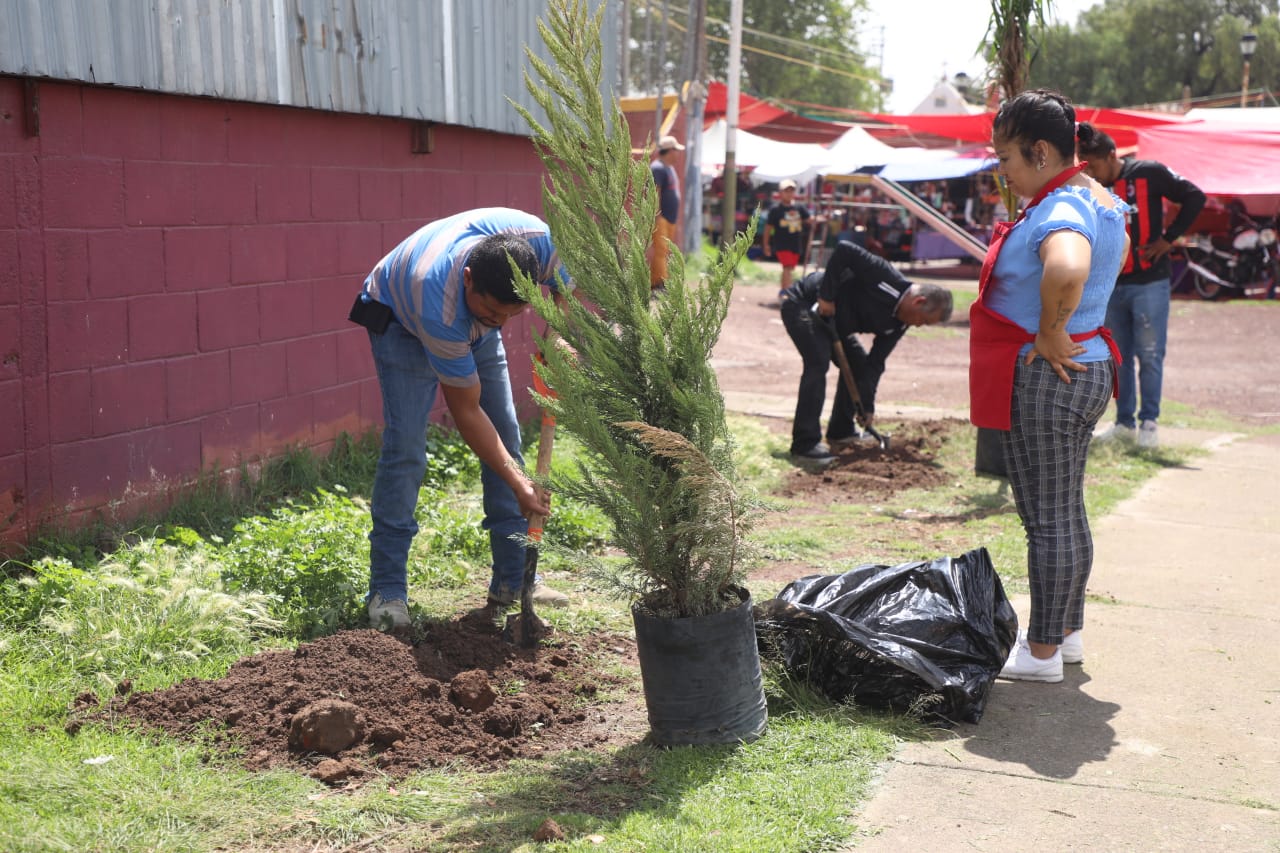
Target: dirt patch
x=361 y=702
x=866 y=470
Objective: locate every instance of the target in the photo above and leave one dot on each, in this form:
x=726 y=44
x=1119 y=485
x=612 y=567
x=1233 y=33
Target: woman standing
x=1042 y=367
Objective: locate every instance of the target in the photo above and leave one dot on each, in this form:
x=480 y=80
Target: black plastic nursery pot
x=701 y=676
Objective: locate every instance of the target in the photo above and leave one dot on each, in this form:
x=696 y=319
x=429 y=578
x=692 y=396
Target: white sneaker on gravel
x=1148 y=435
x=1120 y=433
x=1072 y=647
x=388 y=614
x=1024 y=666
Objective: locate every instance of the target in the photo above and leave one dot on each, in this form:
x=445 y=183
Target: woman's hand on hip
x=1058 y=349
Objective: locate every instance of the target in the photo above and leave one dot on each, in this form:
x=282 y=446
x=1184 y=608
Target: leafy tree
x=1134 y=52
x=1011 y=38
x=803 y=50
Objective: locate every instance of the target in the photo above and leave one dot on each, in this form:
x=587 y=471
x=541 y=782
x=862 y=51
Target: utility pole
x=624 y=51
x=692 y=239
x=729 y=207
x=662 y=67
x=652 y=78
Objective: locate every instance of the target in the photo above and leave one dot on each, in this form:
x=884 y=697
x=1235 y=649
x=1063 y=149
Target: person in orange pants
x=664 y=226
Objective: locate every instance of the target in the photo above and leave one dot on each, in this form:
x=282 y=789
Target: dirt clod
x=548 y=830
x=472 y=691
x=327 y=725
x=331 y=771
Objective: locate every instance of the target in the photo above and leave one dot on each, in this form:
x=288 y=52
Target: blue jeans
x=1138 y=317
x=408 y=386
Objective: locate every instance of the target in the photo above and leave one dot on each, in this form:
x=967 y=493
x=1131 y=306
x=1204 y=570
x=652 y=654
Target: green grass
x=268 y=565
x=965 y=512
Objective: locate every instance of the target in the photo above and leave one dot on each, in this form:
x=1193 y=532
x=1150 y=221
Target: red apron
x=994 y=340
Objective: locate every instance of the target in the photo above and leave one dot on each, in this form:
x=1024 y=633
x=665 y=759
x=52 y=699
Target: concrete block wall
x=175 y=275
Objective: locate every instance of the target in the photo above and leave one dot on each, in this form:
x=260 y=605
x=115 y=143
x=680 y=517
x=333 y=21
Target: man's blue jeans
x=408 y=386
x=1138 y=317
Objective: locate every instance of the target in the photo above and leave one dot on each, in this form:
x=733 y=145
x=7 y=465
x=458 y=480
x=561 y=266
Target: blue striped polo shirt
x=421 y=279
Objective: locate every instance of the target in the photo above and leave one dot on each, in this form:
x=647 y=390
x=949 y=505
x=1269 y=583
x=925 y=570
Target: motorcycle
x=1241 y=261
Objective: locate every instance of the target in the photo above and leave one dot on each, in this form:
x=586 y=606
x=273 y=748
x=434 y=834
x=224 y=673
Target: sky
x=926 y=40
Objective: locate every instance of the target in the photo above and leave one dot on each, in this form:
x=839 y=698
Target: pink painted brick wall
x=175 y=275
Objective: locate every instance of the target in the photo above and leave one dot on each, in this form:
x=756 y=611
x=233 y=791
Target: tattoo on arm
x=1061 y=316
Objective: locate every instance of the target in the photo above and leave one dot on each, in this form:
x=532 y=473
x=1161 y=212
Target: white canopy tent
x=771 y=161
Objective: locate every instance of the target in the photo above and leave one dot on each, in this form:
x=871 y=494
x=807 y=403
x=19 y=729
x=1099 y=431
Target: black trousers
x=814 y=345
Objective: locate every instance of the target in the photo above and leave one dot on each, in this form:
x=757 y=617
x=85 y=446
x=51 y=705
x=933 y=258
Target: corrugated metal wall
x=451 y=61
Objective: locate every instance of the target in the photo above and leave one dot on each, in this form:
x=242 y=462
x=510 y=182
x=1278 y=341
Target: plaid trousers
x=1045 y=450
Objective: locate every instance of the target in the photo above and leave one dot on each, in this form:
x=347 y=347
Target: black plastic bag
x=926 y=638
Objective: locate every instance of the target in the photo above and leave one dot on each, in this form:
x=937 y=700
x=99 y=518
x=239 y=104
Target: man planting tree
x=433 y=308
x=864 y=293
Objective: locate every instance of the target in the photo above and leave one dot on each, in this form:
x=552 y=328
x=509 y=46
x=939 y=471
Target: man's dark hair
x=490 y=264
x=1091 y=142
x=1037 y=114
x=937 y=299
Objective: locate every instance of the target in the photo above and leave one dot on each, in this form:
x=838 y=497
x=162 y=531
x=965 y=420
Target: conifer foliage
x=632 y=376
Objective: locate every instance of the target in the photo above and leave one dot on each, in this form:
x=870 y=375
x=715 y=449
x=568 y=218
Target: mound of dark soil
x=362 y=702
x=865 y=470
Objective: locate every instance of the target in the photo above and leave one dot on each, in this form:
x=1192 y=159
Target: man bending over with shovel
x=433 y=308
x=858 y=292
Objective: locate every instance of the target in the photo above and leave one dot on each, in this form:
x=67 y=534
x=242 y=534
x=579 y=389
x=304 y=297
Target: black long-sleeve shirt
x=866 y=290
x=1144 y=184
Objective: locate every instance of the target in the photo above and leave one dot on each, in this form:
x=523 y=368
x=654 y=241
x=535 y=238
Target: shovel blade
x=525 y=629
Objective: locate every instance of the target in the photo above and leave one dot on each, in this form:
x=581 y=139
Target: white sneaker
x=1024 y=666
x=388 y=615
x=1072 y=647
x=1120 y=433
x=1148 y=435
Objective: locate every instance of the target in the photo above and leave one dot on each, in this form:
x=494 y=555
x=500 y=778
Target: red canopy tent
x=1121 y=125
x=1221 y=160
x=764 y=119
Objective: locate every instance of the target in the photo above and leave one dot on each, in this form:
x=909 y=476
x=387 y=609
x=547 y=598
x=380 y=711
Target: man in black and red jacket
x=1138 y=313
x=865 y=294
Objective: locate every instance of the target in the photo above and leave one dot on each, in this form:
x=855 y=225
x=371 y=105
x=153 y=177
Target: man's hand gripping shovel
x=828 y=325
x=526 y=628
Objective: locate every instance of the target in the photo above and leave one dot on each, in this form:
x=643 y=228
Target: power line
x=789 y=42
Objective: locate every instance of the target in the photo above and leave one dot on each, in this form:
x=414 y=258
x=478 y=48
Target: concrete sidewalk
x=1168 y=737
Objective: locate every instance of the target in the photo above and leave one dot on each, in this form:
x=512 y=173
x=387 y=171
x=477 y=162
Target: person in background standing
x=1042 y=365
x=664 y=226
x=786 y=232
x=1138 y=314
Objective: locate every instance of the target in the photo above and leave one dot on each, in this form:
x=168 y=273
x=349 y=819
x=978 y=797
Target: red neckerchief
x=994 y=340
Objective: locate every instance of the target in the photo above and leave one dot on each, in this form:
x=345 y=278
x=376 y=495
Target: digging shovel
x=526 y=628
x=828 y=325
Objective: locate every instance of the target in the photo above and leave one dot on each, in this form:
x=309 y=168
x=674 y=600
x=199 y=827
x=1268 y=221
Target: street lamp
x=1248 y=44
